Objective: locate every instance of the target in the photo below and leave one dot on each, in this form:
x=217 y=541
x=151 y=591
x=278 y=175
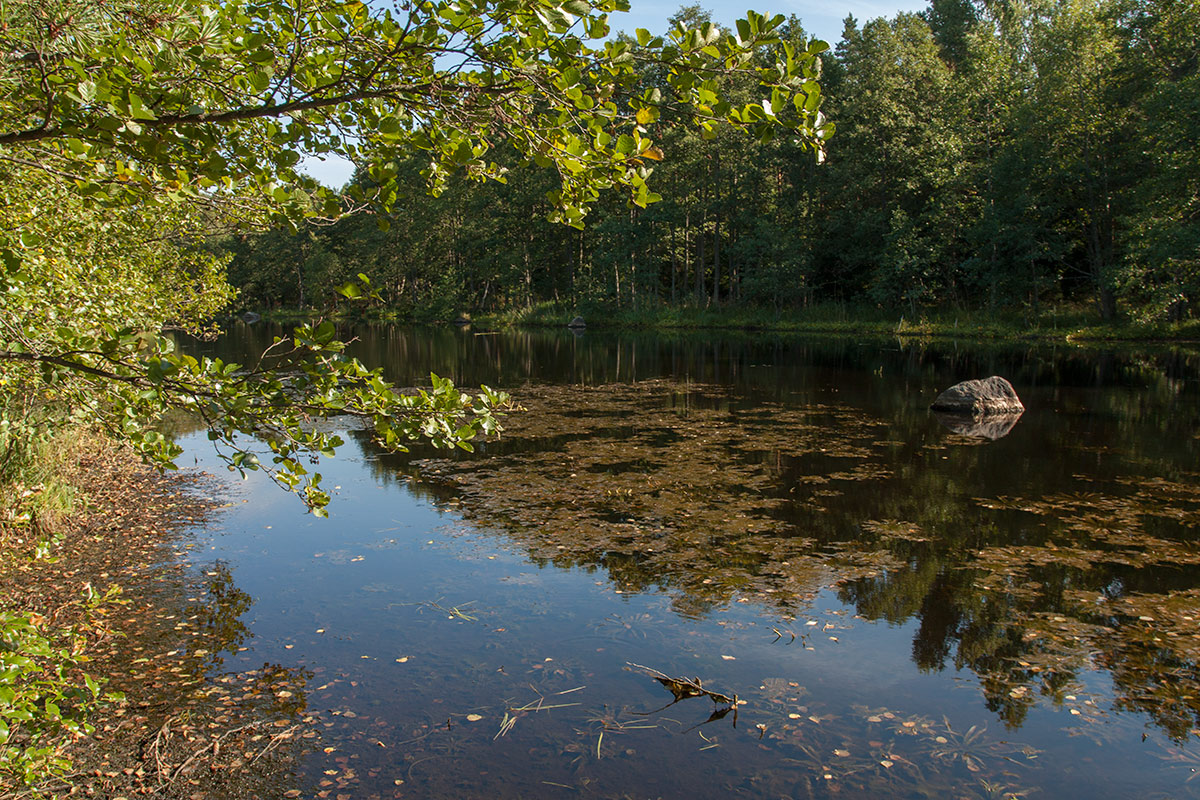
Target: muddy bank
x=186 y=728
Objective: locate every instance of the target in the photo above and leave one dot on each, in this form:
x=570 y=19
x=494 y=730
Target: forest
x=512 y=154
x=988 y=155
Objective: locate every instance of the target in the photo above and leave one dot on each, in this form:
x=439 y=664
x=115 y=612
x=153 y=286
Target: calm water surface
x=899 y=610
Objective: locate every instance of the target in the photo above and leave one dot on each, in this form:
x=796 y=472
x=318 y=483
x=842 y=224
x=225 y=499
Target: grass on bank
x=1061 y=323
x=34 y=490
x=1066 y=323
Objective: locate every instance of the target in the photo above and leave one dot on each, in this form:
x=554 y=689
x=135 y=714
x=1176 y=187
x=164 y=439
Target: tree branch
x=59 y=361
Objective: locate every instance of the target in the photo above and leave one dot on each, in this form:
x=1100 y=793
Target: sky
x=821 y=19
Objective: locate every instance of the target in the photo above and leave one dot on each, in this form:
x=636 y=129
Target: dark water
x=898 y=609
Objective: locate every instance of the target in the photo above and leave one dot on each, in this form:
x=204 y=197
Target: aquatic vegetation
x=898 y=610
x=689 y=490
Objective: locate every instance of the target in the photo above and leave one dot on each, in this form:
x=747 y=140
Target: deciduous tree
x=131 y=128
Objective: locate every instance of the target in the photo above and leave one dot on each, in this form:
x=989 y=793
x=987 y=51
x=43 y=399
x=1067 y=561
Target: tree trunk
x=617 y=281
x=674 y=264
x=716 y=293
x=633 y=276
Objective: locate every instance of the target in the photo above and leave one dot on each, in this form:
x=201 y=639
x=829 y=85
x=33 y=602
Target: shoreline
x=182 y=726
x=1067 y=327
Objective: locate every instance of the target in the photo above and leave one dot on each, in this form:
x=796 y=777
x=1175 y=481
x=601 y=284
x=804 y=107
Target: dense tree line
x=988 y=154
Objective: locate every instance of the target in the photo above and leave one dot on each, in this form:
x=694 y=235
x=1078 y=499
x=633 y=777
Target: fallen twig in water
x=779 y=635
x=684 y=688
x=453 y=612
x=169 y=776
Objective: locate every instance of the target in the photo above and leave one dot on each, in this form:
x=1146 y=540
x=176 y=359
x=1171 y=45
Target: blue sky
x=822 y=19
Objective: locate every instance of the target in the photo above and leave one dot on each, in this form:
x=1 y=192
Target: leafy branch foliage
x=131 y=130
x=44 y=697
x=140 y=99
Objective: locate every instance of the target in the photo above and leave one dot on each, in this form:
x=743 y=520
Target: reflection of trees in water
x=770 y=364
x=217 y=615
x=821 y=464
x=1031 y=606
x=199 y=625
x=713 y=496
x=192 y=721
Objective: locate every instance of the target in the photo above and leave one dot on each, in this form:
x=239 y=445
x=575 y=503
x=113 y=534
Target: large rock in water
x=987 y=426
x=992 y=395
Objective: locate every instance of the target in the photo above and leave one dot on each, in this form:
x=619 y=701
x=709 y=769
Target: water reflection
x=794 y=504
x=696 y=491
x=774 y=364
x=188 y=718
x=992 y=426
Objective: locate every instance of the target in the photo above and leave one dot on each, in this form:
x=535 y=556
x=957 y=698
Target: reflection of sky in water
x=428 y=621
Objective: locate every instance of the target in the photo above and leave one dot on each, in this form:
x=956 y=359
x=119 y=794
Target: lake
x=736 y=566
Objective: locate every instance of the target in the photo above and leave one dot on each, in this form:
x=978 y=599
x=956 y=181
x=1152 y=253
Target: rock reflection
x=992 y=426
